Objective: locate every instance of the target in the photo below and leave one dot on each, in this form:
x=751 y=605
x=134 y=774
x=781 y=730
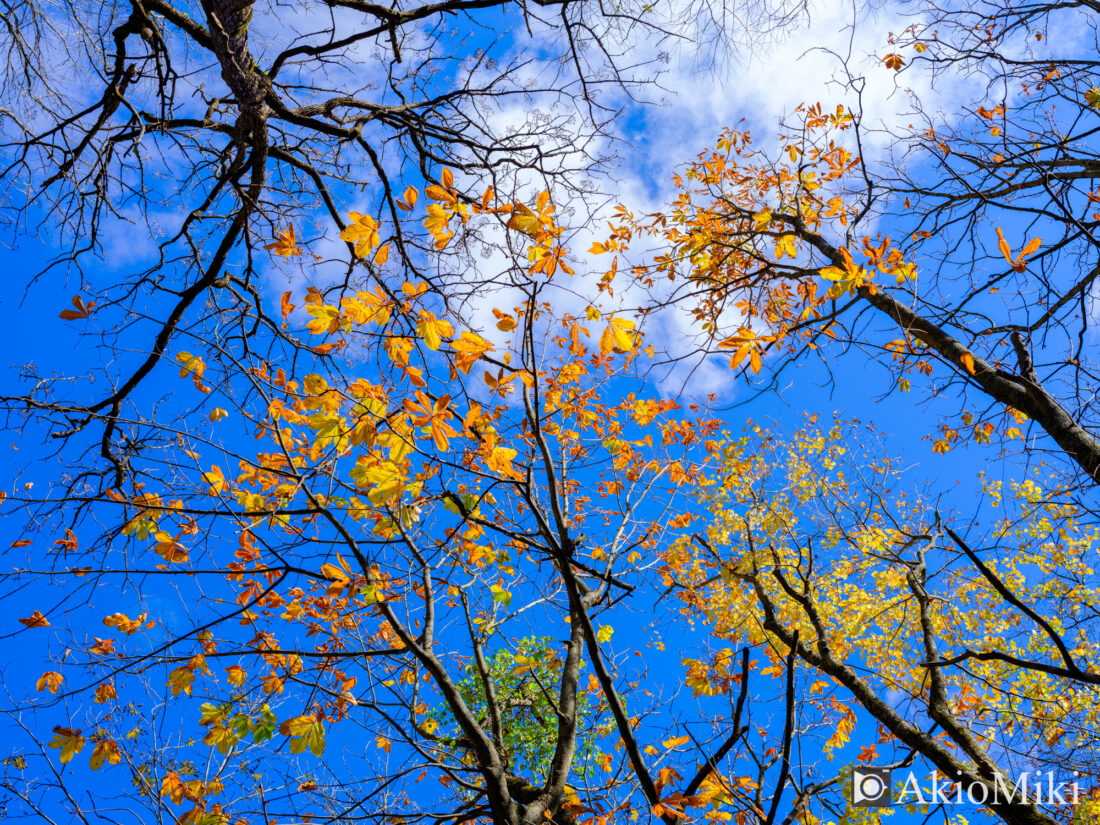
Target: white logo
x=871 y=787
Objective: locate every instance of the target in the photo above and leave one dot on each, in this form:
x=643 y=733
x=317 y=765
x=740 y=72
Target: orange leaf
x=104 y=752
x=523 y=220
x=1031 y=246
x=82 y=310
x=68 y=544
x=1002 y=245
x=36 y=619
x=968 y=362
x=437 y=193
x=285 y=244
x=50 y=680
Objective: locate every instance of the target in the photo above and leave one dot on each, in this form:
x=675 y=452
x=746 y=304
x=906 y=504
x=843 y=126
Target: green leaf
x=501 y=595
x=241 y=725
x=264 y=728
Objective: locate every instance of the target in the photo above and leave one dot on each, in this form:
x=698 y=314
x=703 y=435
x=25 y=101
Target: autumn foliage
x=405 y=545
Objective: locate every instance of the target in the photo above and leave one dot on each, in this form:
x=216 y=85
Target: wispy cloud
x=828 y=53
x=832 y=54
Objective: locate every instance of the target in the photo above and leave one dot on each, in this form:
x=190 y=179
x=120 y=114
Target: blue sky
x=761 y=86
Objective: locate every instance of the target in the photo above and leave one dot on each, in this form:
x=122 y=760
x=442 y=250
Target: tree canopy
x=372 y=494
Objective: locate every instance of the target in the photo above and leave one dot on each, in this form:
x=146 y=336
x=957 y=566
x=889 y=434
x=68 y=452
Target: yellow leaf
x=844 y=728
x=106 y=751
x=169 y=548
x=220 y=737
x=180 y=680
x=619 y=336
x=362 y=232
x=523 y=220
x=433 y=329
x=382 y=255
x=968 y=362
x=438 y=222
x=50 y=680
x=438 y=193
x=172 y=787
x=469 y=347
x=786 y=246
x=297 y=726
x=190 y=364
x=272 y=685
x=69 y=741
x=500 y=461
x=215 y=479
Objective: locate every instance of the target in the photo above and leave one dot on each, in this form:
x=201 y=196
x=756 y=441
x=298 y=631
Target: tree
x=528 y=712
x=360 y=553
x=186 y=135
x=274 y=596
x=378 y=562
x=984 y=627
x=757 y=229
x=972 y=660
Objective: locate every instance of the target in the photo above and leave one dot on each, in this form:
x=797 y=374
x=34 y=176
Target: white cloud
x=815 y=59
x=812 y=58
x=831 y=54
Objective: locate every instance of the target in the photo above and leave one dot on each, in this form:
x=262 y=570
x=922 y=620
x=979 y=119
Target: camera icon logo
x=872 y=788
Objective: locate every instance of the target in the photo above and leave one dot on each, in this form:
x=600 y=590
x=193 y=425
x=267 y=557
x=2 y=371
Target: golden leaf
x=50 y=680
